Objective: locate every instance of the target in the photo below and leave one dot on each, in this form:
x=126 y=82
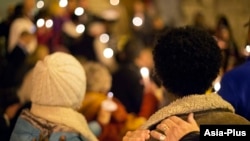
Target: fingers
x=191 y=119
x=168 y=123
x=161 y=131
x=174 y=120
x=157 y=135
x=172 y=128
x=162 y=127
x=137 y=135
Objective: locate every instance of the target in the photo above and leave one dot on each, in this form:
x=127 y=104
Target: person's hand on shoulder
x=170 y=129
x=175 y=129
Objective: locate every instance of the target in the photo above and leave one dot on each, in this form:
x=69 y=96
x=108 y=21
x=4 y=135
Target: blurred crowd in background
x=119 y=39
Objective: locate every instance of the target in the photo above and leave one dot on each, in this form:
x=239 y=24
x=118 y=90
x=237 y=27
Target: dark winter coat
x=207 y=109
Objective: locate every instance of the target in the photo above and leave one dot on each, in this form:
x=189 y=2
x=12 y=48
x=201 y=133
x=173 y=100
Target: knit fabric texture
x=58 y=80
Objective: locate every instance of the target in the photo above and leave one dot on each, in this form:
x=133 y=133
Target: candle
x=144 y=72
x=145 y=75
x=107 y=107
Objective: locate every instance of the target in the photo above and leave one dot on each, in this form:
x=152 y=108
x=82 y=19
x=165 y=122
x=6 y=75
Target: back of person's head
x=187 y=60
x=98 y=77
x=18 y=11
x=130 y=51
x=58 y=80
x=222 y=21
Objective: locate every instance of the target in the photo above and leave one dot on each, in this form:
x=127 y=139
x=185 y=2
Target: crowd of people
x=57 y=83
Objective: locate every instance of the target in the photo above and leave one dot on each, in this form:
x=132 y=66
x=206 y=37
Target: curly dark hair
x=187 y=60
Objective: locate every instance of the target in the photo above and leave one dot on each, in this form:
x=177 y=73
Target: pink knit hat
x=58 y=80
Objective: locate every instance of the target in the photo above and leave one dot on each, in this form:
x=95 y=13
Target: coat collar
x=188 y=104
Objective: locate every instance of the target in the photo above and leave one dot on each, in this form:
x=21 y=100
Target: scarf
x=64 y=116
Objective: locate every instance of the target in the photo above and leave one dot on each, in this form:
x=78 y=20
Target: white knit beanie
x=58 y=80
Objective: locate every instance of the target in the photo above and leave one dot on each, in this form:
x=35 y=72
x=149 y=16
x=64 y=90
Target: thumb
x=191 y=119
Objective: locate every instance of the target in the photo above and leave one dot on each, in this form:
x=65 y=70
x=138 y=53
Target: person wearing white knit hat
x=58 y=88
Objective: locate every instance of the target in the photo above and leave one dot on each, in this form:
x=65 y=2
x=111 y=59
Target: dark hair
x=130 y=51
x=187 y=60
x=18 y=11
x=223 y=21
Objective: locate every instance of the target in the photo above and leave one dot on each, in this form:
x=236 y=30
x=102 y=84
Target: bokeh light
x=63 y=3
x=137 y=21
x=49 y=23
x=114 y=2
x=108 y=53
x=40 y=22
x=104 y=38
x=144 y=72
x=80 y=28
x=40 y=4
x=217 y=86
x=248 y=48
x=79 y=11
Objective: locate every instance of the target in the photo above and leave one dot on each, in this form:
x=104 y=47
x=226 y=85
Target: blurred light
x=108 y=53
x=63 y=3
x=137 y=21
x=144 y=72
x=104 y=38
x=217 y=86
x=114 y=2
x=248 y=48
x=40 y=22
x=40 y=4
x=49 y=23
x=80 y=28
x=79 y=11
x=110 y=14
x=110 y=95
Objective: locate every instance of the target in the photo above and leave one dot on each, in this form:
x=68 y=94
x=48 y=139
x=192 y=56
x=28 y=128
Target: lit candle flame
x=248 y=48
x=144 y=72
